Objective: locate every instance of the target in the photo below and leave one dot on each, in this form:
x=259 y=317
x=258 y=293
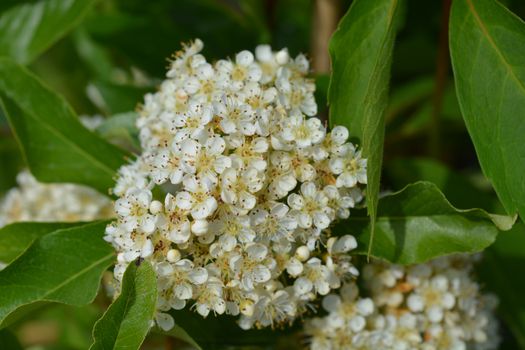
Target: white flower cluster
x=431 y=306
x=250 y=182
x=35 y=201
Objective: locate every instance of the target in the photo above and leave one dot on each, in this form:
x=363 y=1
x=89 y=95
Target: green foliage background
x=445 y=135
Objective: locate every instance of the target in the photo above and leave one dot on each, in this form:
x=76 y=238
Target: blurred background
x=121 y=49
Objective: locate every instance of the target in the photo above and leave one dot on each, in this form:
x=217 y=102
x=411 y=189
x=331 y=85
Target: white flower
x=316 y=277
x=134 y=211
x=270 y=61
x=130 y=177
x=294 y=94
x=209 y=298
x=432 y=297
x=238 y=189
x=304 y=132
x=184 y=277
x=275 y=224
x=236 y=115
x=197 y=198
x=310 y=207
x=138 y=246
x=192 y=123
x=350 y=167
x=340 y=201
x=175 y=223
x=232 y=229
x=165 y=164
x=248 y=153
x=183 y=57
x=245 y=69
x=206 y=162
x=269 y=309
x=251 y=266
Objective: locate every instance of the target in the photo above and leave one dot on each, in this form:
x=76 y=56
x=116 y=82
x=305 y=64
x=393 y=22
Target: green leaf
x=128 y=320
x=30 y=27
x=17 y=237
x=64 y=267
x=179 y=333
x=409 y=95
x=11 y=161
x=57 y=148
x=8 y=340
x=458 y=189
x=222 y=331
x=417 y=224
x=114 y=98
x=488 y=57
x=361 y=52
x=498 y=271
x=96 y=57
x=121 y=129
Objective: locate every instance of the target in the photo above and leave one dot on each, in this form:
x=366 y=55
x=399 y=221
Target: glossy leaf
x=361 y=52
x=127 y=321
x=17 y=237
x=499 y=270
x=64 y=266
x=417 y=224
x=57 y=148
x=488 y=57
x=30 y=27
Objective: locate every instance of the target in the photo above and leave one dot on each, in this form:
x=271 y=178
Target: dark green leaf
x=408 y=95
x=64 y=266
x=500 y=272
x=30 y=27
x=417 y=224
x=144 y=36
x=11 y=161
x=179 y=333
x=116 y=98
x=128 y=320
x=223 y=331
x=56 y=146
x=458 y=189
x=488 y=57
x=94 y=55
x=8 y=340
x=361 y=51
x=121 y=129
x=15 y=238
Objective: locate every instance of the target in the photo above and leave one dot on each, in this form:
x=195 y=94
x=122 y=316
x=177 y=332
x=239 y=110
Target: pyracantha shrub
x=430 y=306
x=251 y=182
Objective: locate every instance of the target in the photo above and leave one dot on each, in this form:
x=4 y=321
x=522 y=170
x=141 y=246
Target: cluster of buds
x=237 y=185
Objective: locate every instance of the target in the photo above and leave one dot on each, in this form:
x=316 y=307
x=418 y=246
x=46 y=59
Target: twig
x=326 y=15
x=325 y=18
